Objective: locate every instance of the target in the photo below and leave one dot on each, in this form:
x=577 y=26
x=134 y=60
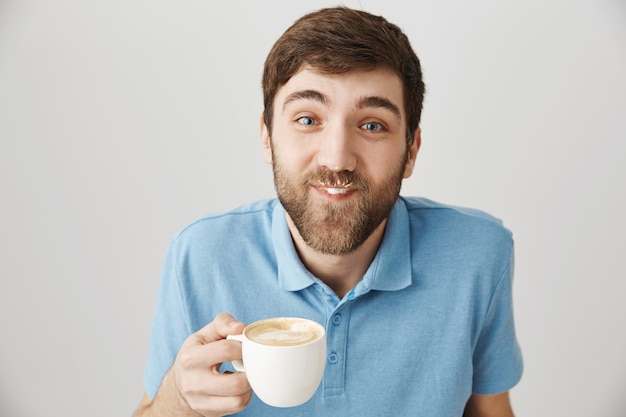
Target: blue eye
x=307 y=121
x=372 y=126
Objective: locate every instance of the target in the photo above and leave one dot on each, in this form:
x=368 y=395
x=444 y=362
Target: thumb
x=222 y=325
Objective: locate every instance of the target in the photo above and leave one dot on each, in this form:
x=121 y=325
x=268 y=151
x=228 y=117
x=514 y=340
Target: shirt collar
x=389 y=271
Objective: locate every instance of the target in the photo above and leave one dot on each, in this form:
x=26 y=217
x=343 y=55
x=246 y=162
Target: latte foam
x=283 y=332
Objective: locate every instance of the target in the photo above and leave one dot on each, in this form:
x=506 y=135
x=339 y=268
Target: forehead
x=346 y=88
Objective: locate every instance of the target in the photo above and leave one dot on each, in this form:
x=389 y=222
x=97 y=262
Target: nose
x=336 y=151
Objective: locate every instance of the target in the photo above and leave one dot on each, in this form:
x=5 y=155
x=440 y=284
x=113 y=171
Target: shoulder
x=246 y=220
x=436 y=212
x=425 y=206
x=451 y=225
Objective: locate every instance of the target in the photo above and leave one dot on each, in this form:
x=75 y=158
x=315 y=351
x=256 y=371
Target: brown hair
x=337 y=40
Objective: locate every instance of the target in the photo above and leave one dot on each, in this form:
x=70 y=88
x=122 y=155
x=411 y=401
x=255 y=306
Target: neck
x=340 y=272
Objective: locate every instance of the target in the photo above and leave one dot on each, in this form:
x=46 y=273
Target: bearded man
x=414 y=295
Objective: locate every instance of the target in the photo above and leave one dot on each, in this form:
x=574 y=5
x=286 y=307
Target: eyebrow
x=362 y=103
x=305 y=95
x=376 y=101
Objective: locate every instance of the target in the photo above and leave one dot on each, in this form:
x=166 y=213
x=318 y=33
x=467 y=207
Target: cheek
x=294 y=157
x=382 y=166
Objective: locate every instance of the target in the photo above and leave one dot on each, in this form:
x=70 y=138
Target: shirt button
x=333 y=358
x=337 y=319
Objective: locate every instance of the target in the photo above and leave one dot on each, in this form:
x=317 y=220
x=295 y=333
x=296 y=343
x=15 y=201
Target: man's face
x=339 y=153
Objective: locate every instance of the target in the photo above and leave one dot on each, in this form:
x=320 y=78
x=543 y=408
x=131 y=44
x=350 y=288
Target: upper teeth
x=336 y=190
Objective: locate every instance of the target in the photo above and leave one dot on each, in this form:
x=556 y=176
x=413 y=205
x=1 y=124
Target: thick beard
x=336 y=228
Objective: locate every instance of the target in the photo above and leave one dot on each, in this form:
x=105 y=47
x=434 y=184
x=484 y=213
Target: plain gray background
x=123 y=120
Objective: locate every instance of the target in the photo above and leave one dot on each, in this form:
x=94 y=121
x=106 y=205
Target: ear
x=414 y=148
x=265 y=142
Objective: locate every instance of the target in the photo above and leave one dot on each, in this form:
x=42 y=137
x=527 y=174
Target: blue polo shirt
x=430 y=322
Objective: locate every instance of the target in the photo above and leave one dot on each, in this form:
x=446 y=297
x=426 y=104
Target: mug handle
x=237 y=363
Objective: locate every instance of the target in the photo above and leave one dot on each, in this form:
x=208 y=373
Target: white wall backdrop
x=123 y=120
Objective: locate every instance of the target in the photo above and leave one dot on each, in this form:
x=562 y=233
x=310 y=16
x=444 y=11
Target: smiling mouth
x=335 y=191
x=336 y=188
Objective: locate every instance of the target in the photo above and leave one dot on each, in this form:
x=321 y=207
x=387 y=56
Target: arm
x=194 y=386
x=497 y=405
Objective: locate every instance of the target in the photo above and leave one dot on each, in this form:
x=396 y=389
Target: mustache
x=328 y=178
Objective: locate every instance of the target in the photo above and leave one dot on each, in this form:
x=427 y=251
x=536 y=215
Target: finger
x=201 y=384
x=222 y=325
x=221 y=405
x=209 y=356
x=222 y=351
x=197 y=383
x=227 y=384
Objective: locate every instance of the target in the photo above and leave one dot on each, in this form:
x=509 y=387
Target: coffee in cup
x=283 y=358
x=284 y=331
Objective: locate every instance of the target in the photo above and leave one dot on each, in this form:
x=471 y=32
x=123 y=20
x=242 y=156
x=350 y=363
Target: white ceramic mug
x=283 y=358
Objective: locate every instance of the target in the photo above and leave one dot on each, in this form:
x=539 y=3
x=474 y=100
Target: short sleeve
x=498 y=363
x=169 y=325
